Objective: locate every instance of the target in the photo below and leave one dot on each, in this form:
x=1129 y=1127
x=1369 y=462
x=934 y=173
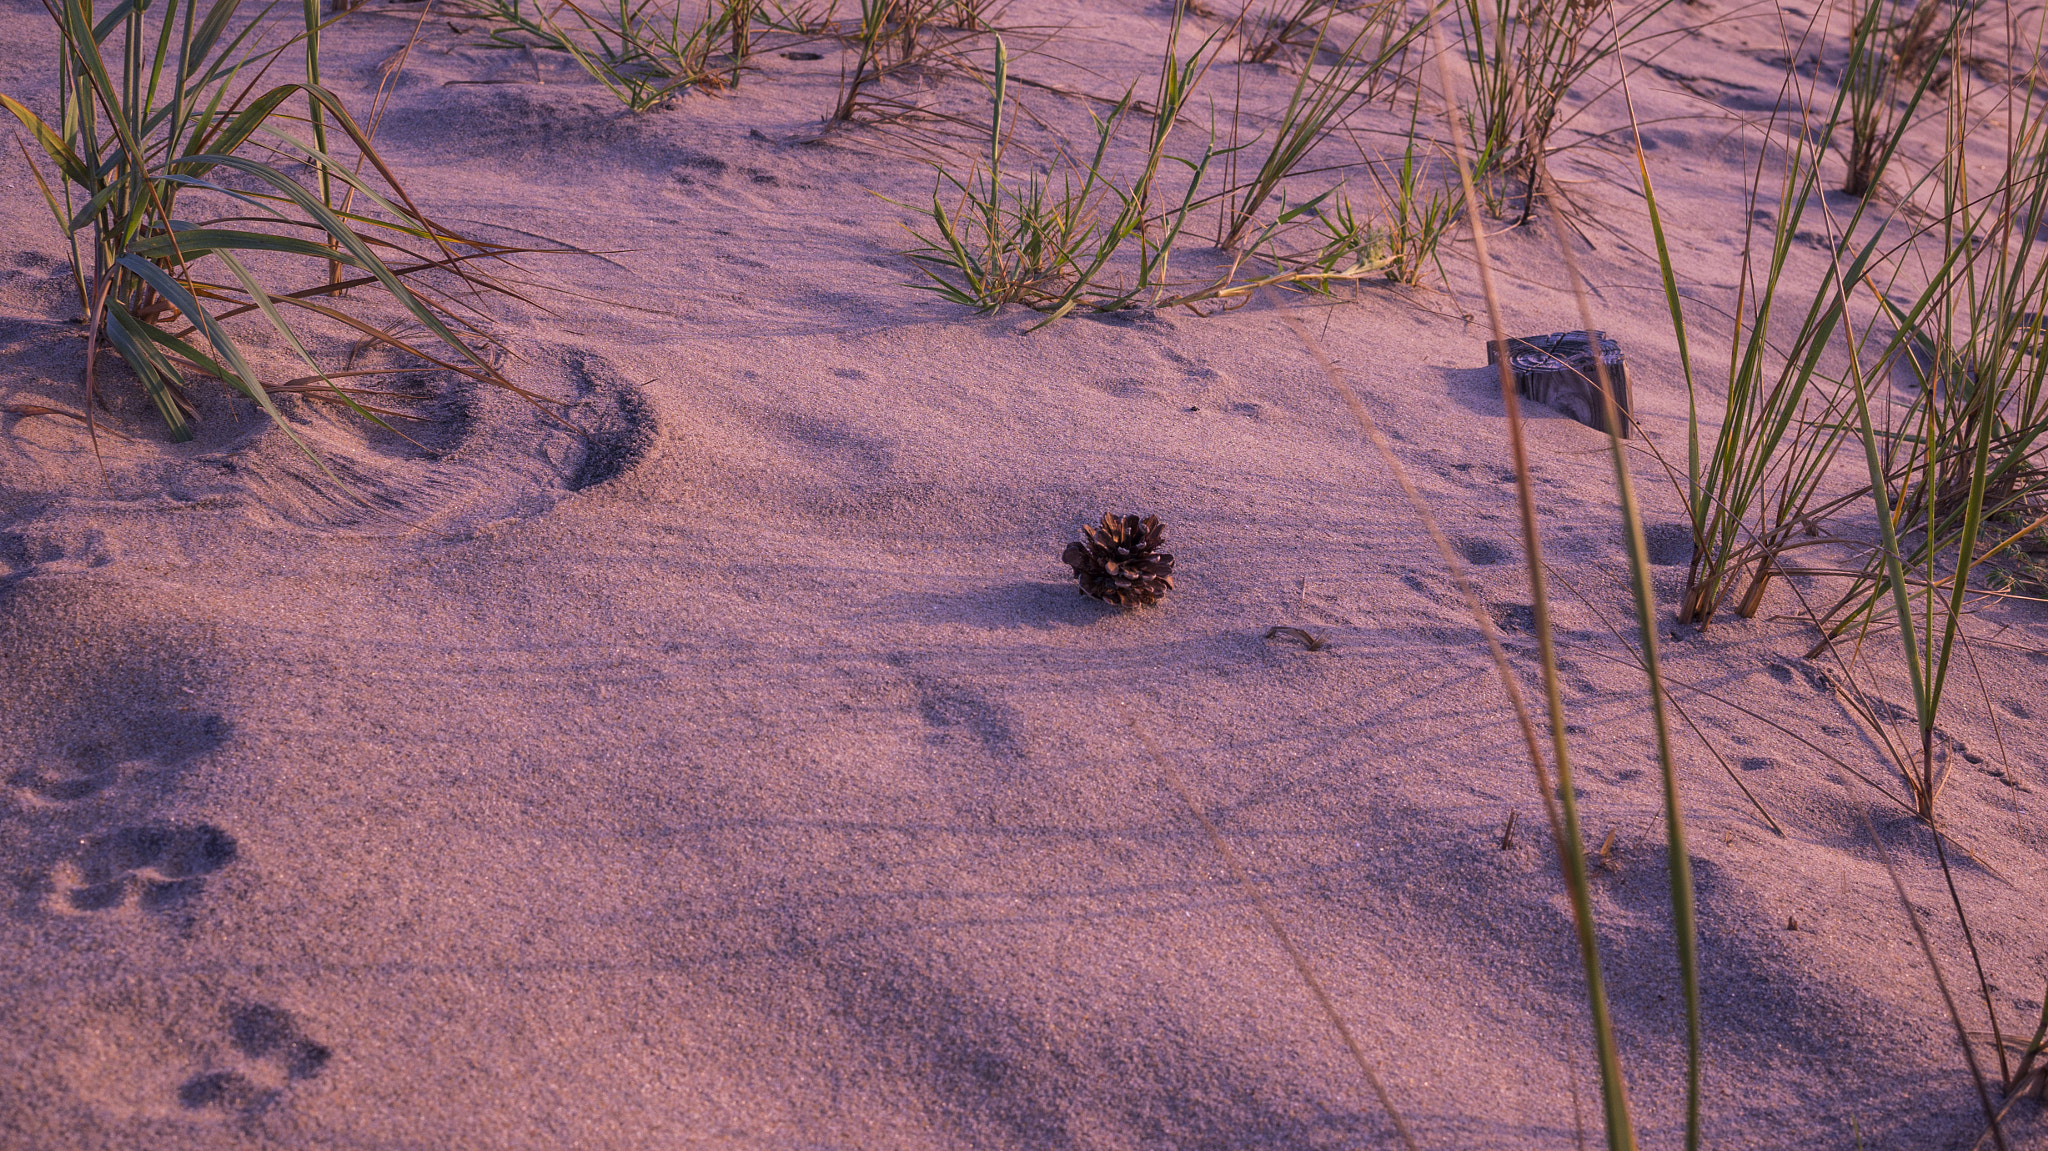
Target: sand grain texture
x=751 y=775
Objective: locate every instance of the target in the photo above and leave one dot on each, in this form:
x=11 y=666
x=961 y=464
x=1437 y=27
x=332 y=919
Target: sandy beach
x=722 y=756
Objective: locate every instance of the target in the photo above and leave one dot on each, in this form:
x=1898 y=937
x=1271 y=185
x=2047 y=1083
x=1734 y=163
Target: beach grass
x=1100 y=230
x=641 y=51
x=1944 y=281
x=890 y=37
x=177 y=191
x=1523 y=60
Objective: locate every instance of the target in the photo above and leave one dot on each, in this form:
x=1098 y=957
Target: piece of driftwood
x=1557 y=370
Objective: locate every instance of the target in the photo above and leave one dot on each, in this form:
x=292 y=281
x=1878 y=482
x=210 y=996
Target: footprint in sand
x=274 y=1054
x=159 y=867
x=110 y=688
x=619 y=422
x=80 y=776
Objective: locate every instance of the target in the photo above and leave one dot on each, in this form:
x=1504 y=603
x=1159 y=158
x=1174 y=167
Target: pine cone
x=1121 y=562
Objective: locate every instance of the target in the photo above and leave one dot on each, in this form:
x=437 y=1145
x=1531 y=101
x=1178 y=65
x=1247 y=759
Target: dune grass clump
x=648 y=53
x=1523 y=59
x=1086 y=236
x=890 y=37
x=1867 y=85
x=1285 y=28
x=645 y=52
x=1288 y=25
x=1315 y=109
x=1419 y=215
x=1787 y=404
x=1955 y=304
x=193 y=196
x=1045 y=243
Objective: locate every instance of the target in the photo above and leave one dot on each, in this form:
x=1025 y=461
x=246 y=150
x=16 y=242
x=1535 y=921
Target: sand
x=752 y=775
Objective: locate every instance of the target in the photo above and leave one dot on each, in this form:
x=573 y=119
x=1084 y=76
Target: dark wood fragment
x=1557 y=370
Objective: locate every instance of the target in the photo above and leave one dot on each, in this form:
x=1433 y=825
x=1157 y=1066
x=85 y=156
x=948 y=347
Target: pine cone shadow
x=1037 y=604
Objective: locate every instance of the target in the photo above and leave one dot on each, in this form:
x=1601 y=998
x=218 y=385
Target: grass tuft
x=645 y=52
x=179 y=191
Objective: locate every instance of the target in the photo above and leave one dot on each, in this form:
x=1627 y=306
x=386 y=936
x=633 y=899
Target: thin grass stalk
x=1490 y=62
x=1668 y=277
x=1454 y=567
x=1894 y=568
x=314 y=116
x=1302 y=967
x=1973 y=521
x=1684 y=924
x=1619 y=1126
x=2033 y=1050
x=1941 y=984
x=1510 y=686
x=1976 y=957
x=1312 y=108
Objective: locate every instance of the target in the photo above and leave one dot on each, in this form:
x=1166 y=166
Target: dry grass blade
x=26 y=410
x=1566 y=834
x=1302 y=966
x=1949 y=1001
x=1684 y=925
x=1308 y=640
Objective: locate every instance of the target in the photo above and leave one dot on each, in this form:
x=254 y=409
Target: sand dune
x=749 y=773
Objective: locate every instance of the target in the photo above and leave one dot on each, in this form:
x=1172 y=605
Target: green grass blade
x=1684 y=922
x=188 y=244
x=53 y=144
x=131 y=339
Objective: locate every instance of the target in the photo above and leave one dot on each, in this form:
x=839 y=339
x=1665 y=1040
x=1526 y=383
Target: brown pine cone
x=1120 y=561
